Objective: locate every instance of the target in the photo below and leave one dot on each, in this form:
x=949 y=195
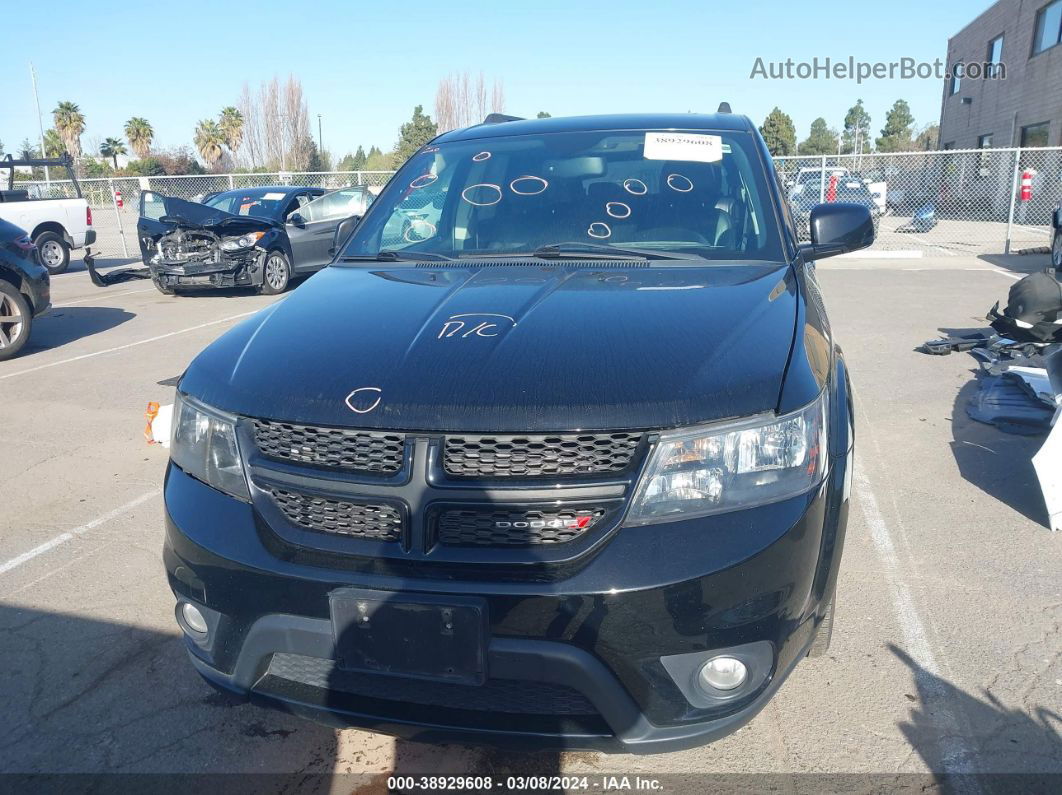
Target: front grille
x=495 y=695
x=538 y=456
x=371 y=521
x=339 y=448
x=471 y=528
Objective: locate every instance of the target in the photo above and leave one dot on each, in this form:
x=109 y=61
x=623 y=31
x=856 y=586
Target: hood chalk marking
x=375 y=403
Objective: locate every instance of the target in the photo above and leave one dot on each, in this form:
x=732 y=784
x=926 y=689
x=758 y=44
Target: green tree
x=779 y=133
x=544 y=115
x=231 y=123
x=359 y=160
x=112 y=147
x=209 y=140
x=821 y=140
x=856 y=129
x=53 y=143
x=379 y=161
x=896 y=134
x=70 y=123
x=413 y=135
x=27 y=151
x=928 y=139
x=140 y=134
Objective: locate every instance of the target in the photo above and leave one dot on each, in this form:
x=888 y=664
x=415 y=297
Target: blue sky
x=365 y=65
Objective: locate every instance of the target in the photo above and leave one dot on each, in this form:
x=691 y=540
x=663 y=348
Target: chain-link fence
x=980 y=201
x=115 y=201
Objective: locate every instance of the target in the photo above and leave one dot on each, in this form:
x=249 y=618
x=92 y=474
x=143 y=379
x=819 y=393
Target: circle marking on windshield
x=618 y=210
x=418 y=237
x=600 y=230
x=479 y=157
x=489 y=185
x=687 y=183
x=629 y=185
x=539 y=180
x=423 y=181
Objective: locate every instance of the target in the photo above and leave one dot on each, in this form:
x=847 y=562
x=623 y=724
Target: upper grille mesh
x=326 y=515
x=340 y=448
x=539 y=456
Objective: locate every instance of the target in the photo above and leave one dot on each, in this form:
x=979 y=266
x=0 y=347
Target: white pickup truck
x=55 y=225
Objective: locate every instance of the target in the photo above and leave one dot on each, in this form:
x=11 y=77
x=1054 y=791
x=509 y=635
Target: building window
x=949 y=145
x=1048 y=32
x=1036 y=134
x=995 y=58
x=956 y=77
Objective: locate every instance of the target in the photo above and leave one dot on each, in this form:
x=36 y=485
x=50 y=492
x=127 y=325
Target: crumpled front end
x=198 y=257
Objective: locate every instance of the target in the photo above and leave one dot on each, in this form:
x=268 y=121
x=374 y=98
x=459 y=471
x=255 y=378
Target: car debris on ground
x=1019 y=374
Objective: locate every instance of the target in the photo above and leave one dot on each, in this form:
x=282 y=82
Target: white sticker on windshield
x=273 y=196
x=692 y=147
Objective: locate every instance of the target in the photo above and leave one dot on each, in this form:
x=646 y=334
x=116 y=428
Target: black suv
x=25 y=289
x=557 y=452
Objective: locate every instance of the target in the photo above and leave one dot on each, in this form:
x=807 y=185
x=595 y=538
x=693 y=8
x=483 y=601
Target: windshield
x=695 y=194
x=259 y=204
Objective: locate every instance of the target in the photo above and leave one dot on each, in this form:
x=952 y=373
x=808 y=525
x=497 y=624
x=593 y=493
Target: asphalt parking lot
x=946 y=658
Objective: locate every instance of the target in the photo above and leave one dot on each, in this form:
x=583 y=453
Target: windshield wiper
x=398 y=256
x=579 y=250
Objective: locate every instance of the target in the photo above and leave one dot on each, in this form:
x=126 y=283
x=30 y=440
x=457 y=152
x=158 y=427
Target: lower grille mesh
x=495 y=695
x=326 y=515
x=513 y=528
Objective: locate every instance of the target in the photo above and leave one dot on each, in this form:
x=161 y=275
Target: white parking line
x=70 y=535
x=102 y=295
x=1015 y=276
x=128 y=345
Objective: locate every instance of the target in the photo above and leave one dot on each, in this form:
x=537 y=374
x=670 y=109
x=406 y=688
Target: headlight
x=733 y=465
x=204 y=446
x=243 y=241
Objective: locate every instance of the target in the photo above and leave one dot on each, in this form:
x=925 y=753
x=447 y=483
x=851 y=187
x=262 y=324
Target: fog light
x=194 y=619
x=723 y=673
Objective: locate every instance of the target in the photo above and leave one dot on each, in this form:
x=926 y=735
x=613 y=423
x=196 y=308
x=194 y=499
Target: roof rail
x=724 y=107
x=498 y=118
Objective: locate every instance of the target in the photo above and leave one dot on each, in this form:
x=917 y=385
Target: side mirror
x=344 y=229
x=296 y=220
x=838 y=228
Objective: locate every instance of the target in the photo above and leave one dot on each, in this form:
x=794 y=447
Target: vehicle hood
x=192 y=215
x=518 y=348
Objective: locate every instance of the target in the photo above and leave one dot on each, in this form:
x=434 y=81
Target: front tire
x=277 y=274
x=16 y=320
x=1056 y=251
x=163 y=288
x=54 y=252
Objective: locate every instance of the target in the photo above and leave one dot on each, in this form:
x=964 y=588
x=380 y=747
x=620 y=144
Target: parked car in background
x=55 y=224
x=815 y=180
x=259 y=237
x=849 y=189
x=24 y=288
x=556 y=454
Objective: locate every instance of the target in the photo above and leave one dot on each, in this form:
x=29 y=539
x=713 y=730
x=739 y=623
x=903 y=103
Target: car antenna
x=724 y=107
x=498 y=118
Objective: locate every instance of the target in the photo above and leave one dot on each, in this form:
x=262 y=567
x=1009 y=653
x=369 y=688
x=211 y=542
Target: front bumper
x=589 y=645
x=241 y=270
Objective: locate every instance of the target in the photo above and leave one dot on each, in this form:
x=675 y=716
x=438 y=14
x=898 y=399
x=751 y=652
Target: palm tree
x=209 y=140
x=231 y=123
x=112 y=147
x=140 y=135
x=53 y=143
x=70 y=123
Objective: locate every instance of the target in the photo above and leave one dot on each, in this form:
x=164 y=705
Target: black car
x=260 y=237
x=25 y=291
x=560 y=453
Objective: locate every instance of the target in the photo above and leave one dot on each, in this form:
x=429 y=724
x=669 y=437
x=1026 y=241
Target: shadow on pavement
x=67 y=324
x=998 y=463
x=1015 y=741
x=1022 y=264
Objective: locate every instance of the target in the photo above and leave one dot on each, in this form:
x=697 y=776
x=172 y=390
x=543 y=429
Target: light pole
x=320 y=146
x=40 y=123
